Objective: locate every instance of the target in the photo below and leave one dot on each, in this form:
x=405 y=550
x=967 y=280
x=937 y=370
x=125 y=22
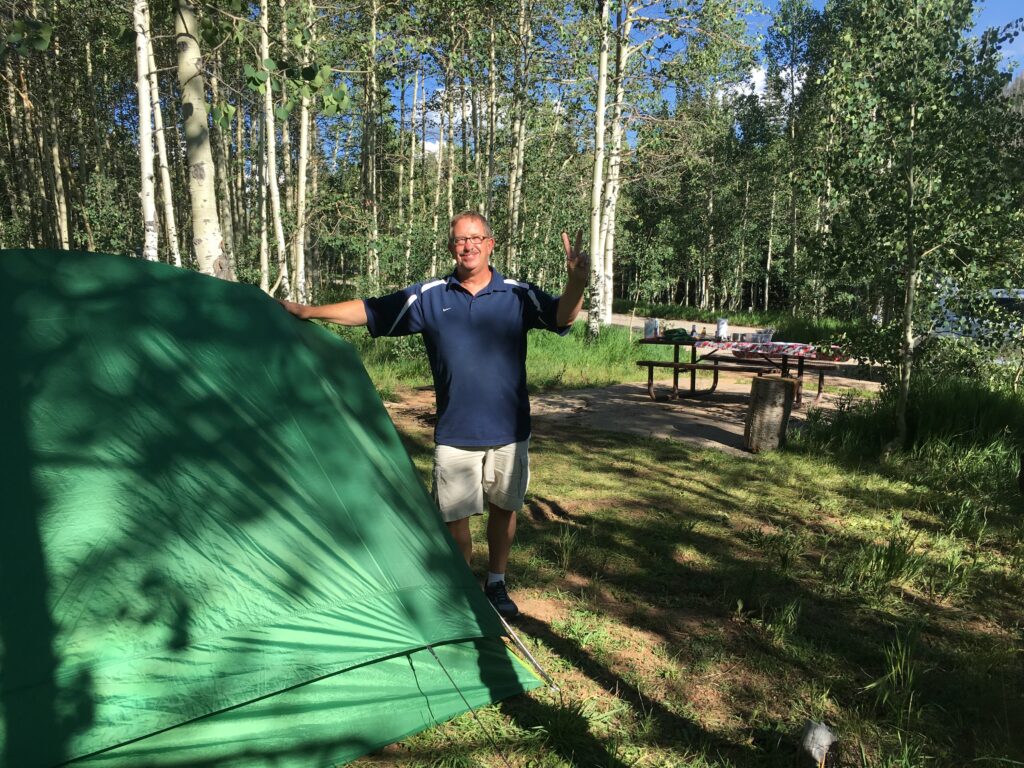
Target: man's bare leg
x=501 y=529
x=459 y=530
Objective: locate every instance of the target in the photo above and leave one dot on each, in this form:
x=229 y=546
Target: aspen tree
x=147 y=192
x=207 y=241
x=170 y=224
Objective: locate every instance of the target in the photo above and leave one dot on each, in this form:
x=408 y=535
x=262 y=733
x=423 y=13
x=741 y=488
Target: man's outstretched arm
x=343 y=313
x=577 y=264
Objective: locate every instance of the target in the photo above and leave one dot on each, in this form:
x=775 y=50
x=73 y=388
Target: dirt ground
x=713 y=421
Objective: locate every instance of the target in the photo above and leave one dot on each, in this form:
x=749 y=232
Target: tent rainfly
x=214 y=549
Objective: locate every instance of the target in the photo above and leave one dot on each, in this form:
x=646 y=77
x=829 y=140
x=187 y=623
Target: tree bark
x=221 y=154
x=286 y=136
x=299 y=242
x=206 y=235
x=147 y=192
x=771 y=239
x=434 y=246
x=170 y=224
x=597 y=262
x=492 y=101
x=611 y=189
x=517 y=150
x=264 y=218
x=369 y=160
x=912 y=276
x=270 y=138
x=22 y=194
x=406 y=268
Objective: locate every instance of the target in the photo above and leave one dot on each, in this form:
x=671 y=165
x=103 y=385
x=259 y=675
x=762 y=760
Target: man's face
x=470 y=258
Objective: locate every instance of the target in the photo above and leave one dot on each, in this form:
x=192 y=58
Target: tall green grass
x=964 y=435
x=553 y=362
x=575 y=362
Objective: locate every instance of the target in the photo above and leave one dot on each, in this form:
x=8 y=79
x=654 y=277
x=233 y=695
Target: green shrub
x=964 y=434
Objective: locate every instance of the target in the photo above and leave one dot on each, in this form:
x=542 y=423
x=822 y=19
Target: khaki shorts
x=464 y=477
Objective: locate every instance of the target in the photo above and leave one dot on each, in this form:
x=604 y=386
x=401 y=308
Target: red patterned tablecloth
x=769 y=348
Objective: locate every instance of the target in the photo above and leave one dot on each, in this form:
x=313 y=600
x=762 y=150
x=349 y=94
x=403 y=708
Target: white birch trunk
x=286 y=135
x=518 y=149
x=492 y=101
x=220 y=164
x=437 y=195
x=299 y=239
x=412 y=179
x=611 y=189
x=771 y=237
x=61 y=203
x=17 y=152
x=370 y=153
x=206 y=236
x=264 y=219
x=450 y=120
x=270 y=139
x=167 y=190
x=597 y=262
x=302 y=292
x=147 y=192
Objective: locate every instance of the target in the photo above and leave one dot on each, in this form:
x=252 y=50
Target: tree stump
x=771 y=401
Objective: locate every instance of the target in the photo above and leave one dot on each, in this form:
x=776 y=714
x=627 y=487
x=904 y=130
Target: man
x=474 y=325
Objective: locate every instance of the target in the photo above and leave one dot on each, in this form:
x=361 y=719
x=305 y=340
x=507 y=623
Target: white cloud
x=758 y=76
x=754 y=84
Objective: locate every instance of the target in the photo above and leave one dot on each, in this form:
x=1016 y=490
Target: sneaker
x=499 y=598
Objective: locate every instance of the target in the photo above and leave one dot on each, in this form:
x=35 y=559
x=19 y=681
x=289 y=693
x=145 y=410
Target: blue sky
x=991 y=13
x=996 y=13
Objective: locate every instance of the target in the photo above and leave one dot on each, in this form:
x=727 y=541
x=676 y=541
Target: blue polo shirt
x=477 y=351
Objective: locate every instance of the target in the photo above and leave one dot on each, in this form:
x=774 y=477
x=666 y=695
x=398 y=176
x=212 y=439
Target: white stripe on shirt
x=412 y=300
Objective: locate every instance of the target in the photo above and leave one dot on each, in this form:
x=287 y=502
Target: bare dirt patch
x=713 y=421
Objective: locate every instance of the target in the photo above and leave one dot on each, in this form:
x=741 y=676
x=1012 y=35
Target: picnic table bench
x=745 y=357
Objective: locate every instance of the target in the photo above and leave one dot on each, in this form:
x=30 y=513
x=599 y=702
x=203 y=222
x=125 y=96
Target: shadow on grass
x=645 y=503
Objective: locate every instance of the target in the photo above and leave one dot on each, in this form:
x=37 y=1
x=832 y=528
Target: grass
x=553 y=362
x=695 y=607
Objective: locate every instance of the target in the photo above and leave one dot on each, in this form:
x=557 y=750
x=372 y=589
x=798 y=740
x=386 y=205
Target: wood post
x=771 y=401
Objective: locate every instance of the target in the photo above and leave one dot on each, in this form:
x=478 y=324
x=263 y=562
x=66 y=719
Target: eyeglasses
x=474 y=239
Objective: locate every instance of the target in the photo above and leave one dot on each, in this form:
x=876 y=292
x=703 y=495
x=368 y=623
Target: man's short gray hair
x=469 y=215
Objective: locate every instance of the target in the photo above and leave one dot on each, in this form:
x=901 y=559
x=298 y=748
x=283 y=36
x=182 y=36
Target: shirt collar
x=497 y=281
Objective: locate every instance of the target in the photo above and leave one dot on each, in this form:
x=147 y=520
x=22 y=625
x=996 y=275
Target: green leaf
x=282 y=113
x=270 y=64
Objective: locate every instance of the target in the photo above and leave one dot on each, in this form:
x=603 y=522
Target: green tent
x=214 y=549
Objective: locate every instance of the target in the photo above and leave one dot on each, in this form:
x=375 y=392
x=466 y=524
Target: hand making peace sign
x=577 y=261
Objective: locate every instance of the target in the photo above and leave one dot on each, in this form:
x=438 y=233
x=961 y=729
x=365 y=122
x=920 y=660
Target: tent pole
x=529 y=656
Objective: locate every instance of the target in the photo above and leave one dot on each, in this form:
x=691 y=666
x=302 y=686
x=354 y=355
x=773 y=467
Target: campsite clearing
x=695 y=607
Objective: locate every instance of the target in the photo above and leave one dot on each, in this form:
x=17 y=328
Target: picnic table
x=771 y=357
